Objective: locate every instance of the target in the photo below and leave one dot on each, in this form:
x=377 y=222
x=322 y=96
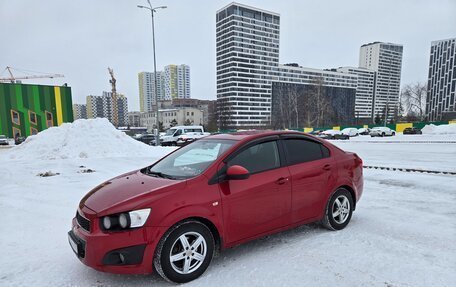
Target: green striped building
x=28 y=109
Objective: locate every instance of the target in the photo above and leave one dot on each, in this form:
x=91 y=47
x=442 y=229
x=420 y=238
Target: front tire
x=184 y=252
x=338 y=210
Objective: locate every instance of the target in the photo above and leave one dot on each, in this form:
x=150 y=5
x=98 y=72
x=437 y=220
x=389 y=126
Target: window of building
x=258 y=158
x=49 y=119
x=193 y=113
x=33 y=131
x=16 y=132
x=32 y=117
x=15 y=117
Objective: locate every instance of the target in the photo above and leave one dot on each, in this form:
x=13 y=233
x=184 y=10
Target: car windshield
x=190 y=160
x=170 y=132
x=2 y=137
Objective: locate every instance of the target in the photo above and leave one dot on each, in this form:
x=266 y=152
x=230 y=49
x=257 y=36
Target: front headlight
x=126 y=220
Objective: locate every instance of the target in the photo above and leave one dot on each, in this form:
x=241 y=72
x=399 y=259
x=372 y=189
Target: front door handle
x=282 y=180
x=327 y=167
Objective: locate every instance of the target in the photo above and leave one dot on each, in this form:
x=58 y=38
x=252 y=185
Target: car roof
x=253 y=134
x=186 y=127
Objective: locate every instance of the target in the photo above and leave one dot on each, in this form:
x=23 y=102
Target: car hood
x=127 y=191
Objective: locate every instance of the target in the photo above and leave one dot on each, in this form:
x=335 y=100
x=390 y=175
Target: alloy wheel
x=188 y=252
x=341 y=209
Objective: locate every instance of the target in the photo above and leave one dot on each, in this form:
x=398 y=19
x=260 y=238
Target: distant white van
x=190 y=133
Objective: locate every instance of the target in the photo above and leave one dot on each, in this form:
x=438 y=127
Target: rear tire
x=338 y=210
x=184 y=252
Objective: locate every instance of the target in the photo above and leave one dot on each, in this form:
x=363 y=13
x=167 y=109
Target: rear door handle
x=327 y=167
x=282 y=180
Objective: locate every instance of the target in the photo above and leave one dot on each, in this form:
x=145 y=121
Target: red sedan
x=214 y=193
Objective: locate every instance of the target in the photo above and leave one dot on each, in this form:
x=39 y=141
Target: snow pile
x=92 y=138
x=439 y=130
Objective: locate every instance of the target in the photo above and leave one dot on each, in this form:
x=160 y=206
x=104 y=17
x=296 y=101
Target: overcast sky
x=80 y=39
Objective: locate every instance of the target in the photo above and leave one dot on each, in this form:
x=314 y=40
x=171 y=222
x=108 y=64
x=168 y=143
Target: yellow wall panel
x=308 y=130
x=401 y=127
x=58 y=104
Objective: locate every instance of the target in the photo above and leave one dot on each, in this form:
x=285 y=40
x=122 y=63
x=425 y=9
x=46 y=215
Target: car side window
x=178 y=133
x=258 y=158
x=301 y=150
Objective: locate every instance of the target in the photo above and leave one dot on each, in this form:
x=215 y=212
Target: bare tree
x=293 y=107
x=413 y=100
x=319 y=107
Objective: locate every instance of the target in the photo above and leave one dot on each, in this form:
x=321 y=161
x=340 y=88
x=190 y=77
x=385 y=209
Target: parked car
x=381 y=132
x=3 y=140
x=212 y=194
x=18 y=140
x=364 y=131
x=333 y=135
x=185 y=139
x=351 y=132
x=412 y=131
x=184 y=133
x=145 y=138
x=316 y=132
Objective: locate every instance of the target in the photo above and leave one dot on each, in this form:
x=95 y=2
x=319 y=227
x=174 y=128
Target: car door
x=310 y=167
x=260 y=203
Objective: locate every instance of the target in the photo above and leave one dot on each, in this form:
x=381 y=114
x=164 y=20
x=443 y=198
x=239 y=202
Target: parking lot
x=401 y=233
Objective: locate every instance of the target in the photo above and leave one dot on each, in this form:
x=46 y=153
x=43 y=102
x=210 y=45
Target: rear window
x=301 y=150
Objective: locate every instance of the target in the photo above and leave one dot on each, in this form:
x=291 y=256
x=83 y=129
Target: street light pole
x=152 y=11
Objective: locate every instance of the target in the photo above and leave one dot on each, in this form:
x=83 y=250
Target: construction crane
x=13 y=78
x=115 y=109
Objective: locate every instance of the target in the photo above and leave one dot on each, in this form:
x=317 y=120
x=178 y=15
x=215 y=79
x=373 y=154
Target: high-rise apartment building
x=250 y=79
x=95 y=107
x=183 y=82
x=441 y=98
x=101 y=107
x=122 y=110
x=177 y=82
x=79 y=111
x=247 y=50
x=172 y=83
x=365 y=91
x=386 y=60
x=147 y=94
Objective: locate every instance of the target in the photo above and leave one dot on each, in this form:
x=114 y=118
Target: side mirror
x=237 y=172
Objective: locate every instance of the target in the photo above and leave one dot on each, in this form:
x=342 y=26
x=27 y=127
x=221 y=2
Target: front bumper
x=128 y=252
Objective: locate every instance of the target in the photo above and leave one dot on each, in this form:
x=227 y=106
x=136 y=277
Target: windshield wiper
x=160 y=174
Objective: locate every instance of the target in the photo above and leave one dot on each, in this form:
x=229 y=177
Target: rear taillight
x=358 y=160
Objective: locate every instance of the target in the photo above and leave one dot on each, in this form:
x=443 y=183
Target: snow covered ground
x=402 y=233
x=430 y=152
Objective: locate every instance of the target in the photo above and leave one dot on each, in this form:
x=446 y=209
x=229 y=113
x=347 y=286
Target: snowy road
x=402 y=233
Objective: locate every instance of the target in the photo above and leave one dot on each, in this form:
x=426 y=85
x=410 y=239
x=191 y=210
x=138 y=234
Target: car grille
x=83 y=222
